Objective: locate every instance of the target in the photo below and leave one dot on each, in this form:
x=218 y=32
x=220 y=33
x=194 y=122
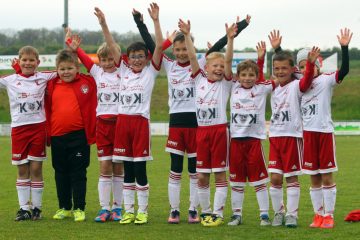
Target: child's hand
x=75 y=42
x=345 y=37
x=67 y=34
x=184 y=26
x=248 y=17
x=275 y=39
x=209 y=45
x=154 y=11
x=231 y=30
x=100 y=15
x=137 y=15
x=171 y=36
x=313 y=54
x=261 y=49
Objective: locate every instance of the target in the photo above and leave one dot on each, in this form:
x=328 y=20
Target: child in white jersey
x=319 y=142
x=247 y=129
x=107 y=77
x=285 y=135
x=212 y=92
x=28 y=131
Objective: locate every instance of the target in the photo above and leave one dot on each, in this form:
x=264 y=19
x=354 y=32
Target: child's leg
x=276 y=192
x=204 y=192
x=316 y=194
x=118 y=184
x=142 y=186
x=23 y=186
x=220 y=193
x=129 y=186
x=174 y=184
x=329 y=191
x=293 y=195
x=237 y=199
x=105 y=183
x=194 y=197
x=37 y=184
x=263 y=199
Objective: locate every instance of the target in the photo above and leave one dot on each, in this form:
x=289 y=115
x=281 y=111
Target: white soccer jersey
x=247 y=108
x=136 y=89
x=26 y=97
x=286 y=115
x=108 y=90
x=181 y=86
x=211 y=100
x=315 y=104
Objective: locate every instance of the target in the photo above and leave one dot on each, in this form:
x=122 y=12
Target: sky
x=302 y=23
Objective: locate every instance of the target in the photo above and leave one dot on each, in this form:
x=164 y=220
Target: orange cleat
x=328 y=222
x=317 y=221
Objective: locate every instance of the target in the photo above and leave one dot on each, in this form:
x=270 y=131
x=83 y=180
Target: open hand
x=345 y=37
x=184 y=26
x=261 y=49
x=154 y=11
x=275 y=39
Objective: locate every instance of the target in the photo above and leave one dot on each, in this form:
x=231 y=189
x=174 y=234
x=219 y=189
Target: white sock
x=277 y=199
x=220 y=197
x=317 y=199
x=23 y=190
x=118 y=189
x=262 y=198
x=293 y=197
x=37 y=189
x=329 y=199
x=104 y=189
x=143 y=197
x=129 y=197
x=237 y=199
x=194 y=196
x=204 y=198
x=174 y=187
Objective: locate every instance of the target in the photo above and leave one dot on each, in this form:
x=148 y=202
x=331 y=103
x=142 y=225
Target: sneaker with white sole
x=278 y=219
x=235 y=220
x=291 y=221
x=264 y=220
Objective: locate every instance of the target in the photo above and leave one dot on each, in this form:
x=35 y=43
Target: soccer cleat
x=317 y=221
x=328 y=222
x=278 y=219
x=174 y=217
x=264 y=220
x=235 y=220
x=141 y=218
x=79 y=215
x=215 y=221
x=103 y=216
x=127 y=218
x=36 y=214
x=193 y=217
x=22 y=215
x=61 y=214
x=290 y=221
x=205 y=218
x=116 y=214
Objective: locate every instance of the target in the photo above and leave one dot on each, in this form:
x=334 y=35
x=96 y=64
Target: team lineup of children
x=111 y=107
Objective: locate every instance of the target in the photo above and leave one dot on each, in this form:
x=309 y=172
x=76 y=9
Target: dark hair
x=66 y=55
x=247 y=64
x=180 y=37
x=283 y=56
x=137 y=46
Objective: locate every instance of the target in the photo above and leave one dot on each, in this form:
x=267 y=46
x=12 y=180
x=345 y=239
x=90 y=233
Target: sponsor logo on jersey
x=79 y=154
x=84 y=88
x=119 y=150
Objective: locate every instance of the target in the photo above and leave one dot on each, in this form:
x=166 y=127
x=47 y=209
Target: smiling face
x=28 y=63
x=247 y=77
x=302 y=68
x=107 y=63
x=67 y=71
x=180 y=52
x=215 y=68
x=137 y=60
x=283 y=71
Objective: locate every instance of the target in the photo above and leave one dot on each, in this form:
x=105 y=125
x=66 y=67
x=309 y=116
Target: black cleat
x=36 y=214
x=23 y=215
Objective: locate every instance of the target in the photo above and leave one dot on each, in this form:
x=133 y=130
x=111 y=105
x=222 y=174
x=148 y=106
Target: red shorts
x=182 y=140
x=28 y=143
x=285 y=156
x=132 y=141
x=105 y=136
x=212 y=148
x=319 y=153
x=247 y=161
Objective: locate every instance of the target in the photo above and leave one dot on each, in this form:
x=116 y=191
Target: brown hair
x=247 y=64
x=66 y=55
x=180 y=37
x=283 y=56
x=104 y=50
x=29 y=50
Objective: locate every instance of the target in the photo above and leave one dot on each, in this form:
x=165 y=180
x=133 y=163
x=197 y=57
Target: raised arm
x=185 y=29
x=115 y=51
x=275 y=40
x=305 y=82
x=154 y=14
x=261 y=51
x=241 y=25
x=230 y=33
x=344 y=40
x=143 y=30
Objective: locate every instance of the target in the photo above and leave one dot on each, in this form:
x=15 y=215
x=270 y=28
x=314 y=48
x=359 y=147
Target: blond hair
x=247 y=64
x=30 y=50
x=213 y=56
x=104 y=50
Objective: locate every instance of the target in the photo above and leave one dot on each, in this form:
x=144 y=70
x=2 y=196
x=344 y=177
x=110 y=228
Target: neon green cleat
x=141 y=218
x=127 y=218
x=61 y=214
x=205 y=218
x=215 y=221
x=79 y=215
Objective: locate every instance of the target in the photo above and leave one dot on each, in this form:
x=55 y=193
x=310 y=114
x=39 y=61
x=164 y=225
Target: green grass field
x=348 y=198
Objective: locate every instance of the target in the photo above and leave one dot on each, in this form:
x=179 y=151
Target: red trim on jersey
x=185 y=64
x=193 y=75
x=157 y=67
x=27 y=76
